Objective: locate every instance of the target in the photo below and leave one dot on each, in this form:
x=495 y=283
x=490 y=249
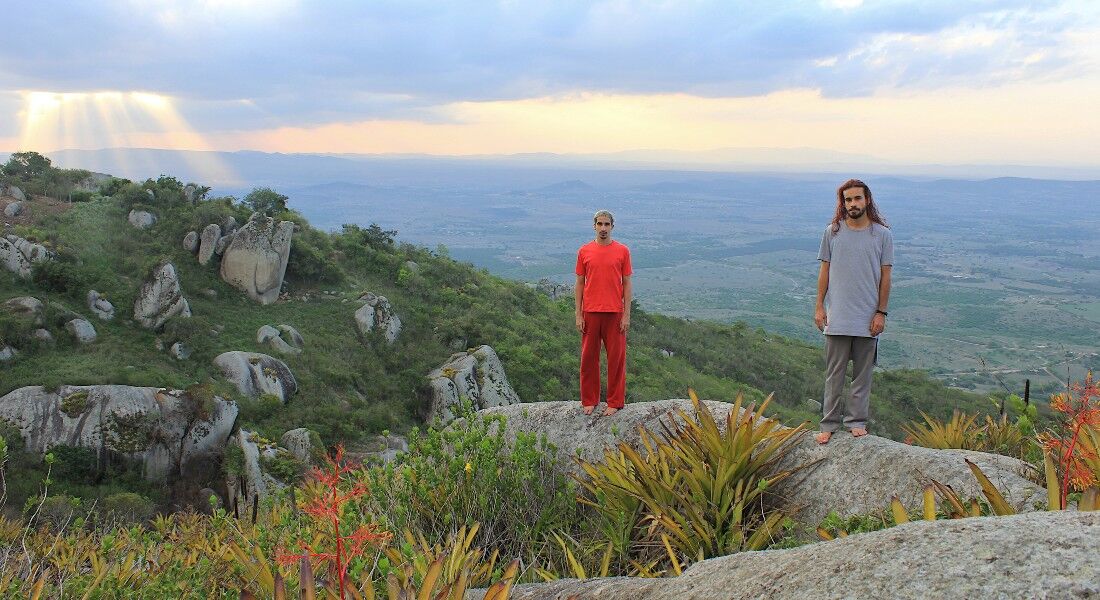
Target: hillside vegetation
x=350 y=386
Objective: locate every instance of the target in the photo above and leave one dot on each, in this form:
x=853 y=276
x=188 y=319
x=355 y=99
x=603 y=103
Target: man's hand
x=820 y=319
x=580 y=323
x=624 y=323
x=878 y=324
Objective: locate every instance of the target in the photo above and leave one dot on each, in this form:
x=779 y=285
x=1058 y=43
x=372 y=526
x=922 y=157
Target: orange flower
x=326 y=508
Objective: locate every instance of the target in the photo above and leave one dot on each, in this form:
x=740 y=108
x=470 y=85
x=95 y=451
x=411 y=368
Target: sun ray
x=118 y=120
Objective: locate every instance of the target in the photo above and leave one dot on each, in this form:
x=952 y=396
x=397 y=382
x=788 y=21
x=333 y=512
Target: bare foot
x=823 y=437
x=857 y=432
x=610 y=411
x=588 y=409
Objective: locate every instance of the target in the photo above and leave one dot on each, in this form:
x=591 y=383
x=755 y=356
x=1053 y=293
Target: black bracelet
x=882 y=312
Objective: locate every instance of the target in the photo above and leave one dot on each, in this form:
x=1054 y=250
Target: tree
x=266 y=201
x=27 y=165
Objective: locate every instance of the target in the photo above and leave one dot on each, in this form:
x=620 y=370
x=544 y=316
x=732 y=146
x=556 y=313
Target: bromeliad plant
x=327 y=495
x=1077 y=446
x=699 y=490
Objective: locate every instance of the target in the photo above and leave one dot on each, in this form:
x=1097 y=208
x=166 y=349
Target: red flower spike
x=326 y=508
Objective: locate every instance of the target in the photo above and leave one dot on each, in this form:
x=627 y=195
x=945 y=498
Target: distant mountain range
x=247 y=169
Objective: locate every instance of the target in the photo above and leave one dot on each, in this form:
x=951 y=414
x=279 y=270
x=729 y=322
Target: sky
x=931 y=82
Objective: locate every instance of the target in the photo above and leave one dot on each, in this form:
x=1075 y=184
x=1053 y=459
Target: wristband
x=882 y=312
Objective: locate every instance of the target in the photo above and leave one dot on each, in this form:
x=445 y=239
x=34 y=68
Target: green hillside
x=350 y=388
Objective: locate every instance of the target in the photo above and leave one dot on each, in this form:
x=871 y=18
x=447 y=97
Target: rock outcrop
x=191 y=242
x=255 y=261
x=301 y=442
x=1035 y=555
x=141 y=219
x=14 y=192
x=14 y=209
x=160 y=298
x=100 y=306
x=251 y=483
x=28 y=308
x=850 y=476
x=254 y=374
x=223 y=243
x=171 y=433
x=476 y=375
x=81 y=330
x=7 y=354
x=207 y=241
x=552 y=289
x=274 y=337
x=19 y=255
x=376 y=313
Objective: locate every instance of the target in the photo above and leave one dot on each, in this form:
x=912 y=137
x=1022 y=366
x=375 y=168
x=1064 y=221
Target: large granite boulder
x=255 y=261
x=100 y=306
x=14 y=192
x=207 y=241
x=160 y=298
x=19 y=256
x=191 y=242
x=247 y=482
x=141 y=219
x=14 y=209
x=170 y=432
x=302 y=443
x=476 y=375
x=81 y=330
x=376 y=312
x=254 y=374
x=851 y=476
x=1034 y=555
x=274 y=337
x=28 y=308
x=223 y=243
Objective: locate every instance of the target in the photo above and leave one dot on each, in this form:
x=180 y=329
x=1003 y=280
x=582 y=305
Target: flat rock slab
x=1035 y=555
x=850 y=476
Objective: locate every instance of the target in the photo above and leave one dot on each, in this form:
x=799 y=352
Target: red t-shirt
x=603 y=268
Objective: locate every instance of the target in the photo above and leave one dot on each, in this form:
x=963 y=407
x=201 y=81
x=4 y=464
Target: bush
x=76 y=465
x=56 y=512
x=284 y=466
x=62 y=275
x=81 y=196
x=466 y=474
x=124 y=509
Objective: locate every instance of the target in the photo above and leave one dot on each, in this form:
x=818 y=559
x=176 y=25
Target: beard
x=855 y=213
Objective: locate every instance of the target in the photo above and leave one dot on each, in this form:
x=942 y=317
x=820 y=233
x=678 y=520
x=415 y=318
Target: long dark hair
x=841 y=214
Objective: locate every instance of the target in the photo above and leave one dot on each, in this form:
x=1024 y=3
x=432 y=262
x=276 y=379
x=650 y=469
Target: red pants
x=603 y=327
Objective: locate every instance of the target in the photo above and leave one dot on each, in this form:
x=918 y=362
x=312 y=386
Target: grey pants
x=839 y=349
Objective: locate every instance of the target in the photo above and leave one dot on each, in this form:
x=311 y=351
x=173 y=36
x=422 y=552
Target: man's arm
x=878 y=322
x=578 y=302
x=628 y=295
x=820 y=319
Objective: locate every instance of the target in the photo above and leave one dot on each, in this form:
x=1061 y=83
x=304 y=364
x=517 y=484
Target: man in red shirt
x=602 y=300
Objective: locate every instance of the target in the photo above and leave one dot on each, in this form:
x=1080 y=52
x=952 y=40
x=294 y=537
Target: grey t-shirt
x=855 y=258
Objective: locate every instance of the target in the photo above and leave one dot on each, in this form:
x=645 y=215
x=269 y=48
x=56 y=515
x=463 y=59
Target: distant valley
x=996 y=280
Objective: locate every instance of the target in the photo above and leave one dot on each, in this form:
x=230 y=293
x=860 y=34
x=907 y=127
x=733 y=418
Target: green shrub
x=284 y=466
x=62 y=275
x=57 y=512
x=233 y=460
x=466 y=474
x=124 y=509
x=75 y=465
x=81 y=196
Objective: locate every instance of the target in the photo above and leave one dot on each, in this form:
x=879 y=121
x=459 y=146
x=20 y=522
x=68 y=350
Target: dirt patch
x=35 y=209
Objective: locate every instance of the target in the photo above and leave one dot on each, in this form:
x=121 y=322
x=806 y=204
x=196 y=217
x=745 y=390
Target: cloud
x=260 y=65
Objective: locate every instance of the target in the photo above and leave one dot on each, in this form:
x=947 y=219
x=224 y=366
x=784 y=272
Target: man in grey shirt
x=853 y=289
